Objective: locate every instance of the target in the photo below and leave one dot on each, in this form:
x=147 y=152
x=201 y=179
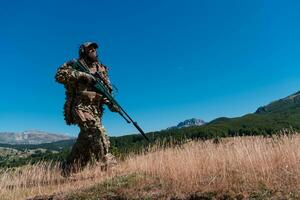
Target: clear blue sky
x=171 y=60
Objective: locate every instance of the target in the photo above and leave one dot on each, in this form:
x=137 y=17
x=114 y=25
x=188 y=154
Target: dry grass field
x=234 y=168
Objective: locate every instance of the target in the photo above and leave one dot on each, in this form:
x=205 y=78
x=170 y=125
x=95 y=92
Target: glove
x=113 y=108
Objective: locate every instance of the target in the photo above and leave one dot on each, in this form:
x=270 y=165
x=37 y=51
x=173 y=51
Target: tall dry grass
x=239 y=165
x=46 y=179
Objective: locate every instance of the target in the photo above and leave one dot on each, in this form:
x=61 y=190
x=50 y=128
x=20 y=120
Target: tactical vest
x=71 y=95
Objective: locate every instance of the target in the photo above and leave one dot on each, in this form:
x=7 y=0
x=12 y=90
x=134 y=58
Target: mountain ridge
x=288 y=102
x=31 y=137
x=188 y=123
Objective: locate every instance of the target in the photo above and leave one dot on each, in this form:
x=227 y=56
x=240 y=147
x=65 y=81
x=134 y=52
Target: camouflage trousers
x=92 y=143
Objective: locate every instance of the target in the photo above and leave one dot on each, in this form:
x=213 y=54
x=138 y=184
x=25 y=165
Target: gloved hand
x=113 y=108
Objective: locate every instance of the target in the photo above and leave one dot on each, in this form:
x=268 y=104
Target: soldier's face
x=92 y=54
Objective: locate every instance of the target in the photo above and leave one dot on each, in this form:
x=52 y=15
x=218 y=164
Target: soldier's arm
x=66 y=73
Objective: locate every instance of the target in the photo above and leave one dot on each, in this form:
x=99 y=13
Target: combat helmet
x=83 y=47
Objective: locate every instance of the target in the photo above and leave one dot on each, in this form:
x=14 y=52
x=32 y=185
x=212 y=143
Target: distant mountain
x=276 y=116
x=188 y=123
x=287 y=103
x=31 y=137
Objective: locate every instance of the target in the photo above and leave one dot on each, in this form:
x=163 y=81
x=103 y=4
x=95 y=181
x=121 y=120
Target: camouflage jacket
x=78 y=90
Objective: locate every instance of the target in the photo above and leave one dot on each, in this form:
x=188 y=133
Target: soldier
x=84 y=107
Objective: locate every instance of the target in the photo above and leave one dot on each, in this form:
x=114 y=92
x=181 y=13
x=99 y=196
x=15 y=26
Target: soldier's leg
x=109 y=158
x=89 y=145
x=104 y=137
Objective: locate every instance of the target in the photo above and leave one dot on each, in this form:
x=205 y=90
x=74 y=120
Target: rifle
x=99 y=87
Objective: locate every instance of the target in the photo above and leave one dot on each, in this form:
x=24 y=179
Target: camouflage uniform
x=84 y=107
